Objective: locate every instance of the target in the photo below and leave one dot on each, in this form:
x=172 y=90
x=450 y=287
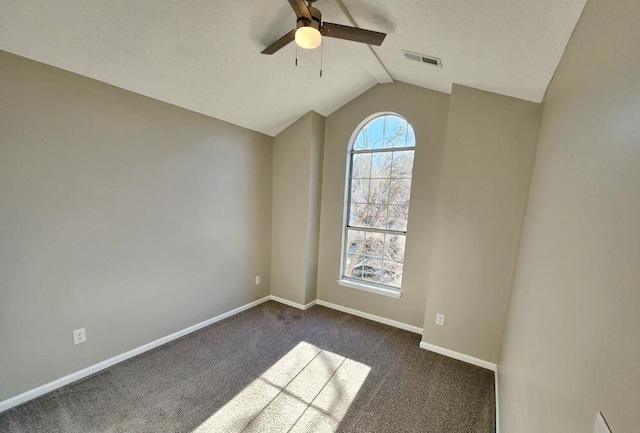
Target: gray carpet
x=274 y=368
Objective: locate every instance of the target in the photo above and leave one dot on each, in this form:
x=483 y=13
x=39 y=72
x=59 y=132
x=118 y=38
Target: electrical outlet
x=79 y=336
x=258 y=280
x=440 y=319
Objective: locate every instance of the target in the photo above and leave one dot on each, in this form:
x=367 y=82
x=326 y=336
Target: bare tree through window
x=381 y=167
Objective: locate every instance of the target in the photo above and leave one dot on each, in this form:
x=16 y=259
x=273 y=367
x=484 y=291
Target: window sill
x=370 y=288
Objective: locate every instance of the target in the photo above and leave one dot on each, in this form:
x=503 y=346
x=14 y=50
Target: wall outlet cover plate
x=79 y=336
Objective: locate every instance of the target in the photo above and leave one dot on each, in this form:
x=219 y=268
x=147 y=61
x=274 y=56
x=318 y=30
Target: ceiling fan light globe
x=308 y=37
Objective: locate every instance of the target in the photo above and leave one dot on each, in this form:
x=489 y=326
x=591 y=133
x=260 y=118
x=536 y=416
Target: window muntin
x=377 y=207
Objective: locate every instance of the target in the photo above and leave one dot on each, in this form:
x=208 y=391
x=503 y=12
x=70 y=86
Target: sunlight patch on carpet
x=308 y=389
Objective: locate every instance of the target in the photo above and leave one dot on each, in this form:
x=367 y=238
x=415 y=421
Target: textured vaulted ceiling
x=205 y=55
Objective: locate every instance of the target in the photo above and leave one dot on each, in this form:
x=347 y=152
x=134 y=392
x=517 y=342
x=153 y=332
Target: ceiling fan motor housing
x=316 y=19
x=310 y=30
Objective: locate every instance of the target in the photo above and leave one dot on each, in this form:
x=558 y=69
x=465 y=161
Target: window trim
x=370 y=287
x=367 y=286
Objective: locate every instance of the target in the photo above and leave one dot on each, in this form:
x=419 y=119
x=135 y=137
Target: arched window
x=379 y=169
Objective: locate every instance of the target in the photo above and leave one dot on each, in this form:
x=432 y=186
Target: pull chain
x=296 y=54
x=321 y=56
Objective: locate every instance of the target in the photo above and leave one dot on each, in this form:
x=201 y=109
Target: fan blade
x=300 y=9
x=280 y=43
x=339 y=31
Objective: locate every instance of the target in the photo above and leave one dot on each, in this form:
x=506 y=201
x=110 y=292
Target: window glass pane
x=374 y=245
x=391 y=273
x=397 y=131
x=356 y=242
x=361 y=166
x=402 y=166
x=397 y=219
x=360 y=190
x=359 y=215
x=375 y=133
x=381 y=164
x=399 y=191
x=394 y=247
x=376 y=216
x=355 y=250
x=379 y=192
x=353 y=261
x=371 y=270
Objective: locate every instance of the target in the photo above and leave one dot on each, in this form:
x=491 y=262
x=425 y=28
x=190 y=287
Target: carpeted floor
x=274 y=369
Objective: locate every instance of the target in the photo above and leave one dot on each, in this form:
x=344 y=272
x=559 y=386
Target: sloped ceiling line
x=389 y=78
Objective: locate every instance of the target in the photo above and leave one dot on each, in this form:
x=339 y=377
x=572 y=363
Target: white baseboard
x=58 y=383
x=373 y=317
x=48 y=387
x=291 y=303
x=459 y=356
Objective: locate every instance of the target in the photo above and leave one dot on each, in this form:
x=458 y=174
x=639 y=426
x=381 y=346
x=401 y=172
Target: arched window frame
x=349 y=280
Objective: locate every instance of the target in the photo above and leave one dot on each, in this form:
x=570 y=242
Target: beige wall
x=427 y=111
x=297 y=173
x=572 y=344
x=483 y=186
x=315 y=197
x=126 y=216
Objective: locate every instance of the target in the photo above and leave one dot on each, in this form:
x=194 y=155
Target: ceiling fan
x=310 y=29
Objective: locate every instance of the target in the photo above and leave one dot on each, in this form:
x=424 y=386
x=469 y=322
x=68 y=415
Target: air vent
x=422 y=58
